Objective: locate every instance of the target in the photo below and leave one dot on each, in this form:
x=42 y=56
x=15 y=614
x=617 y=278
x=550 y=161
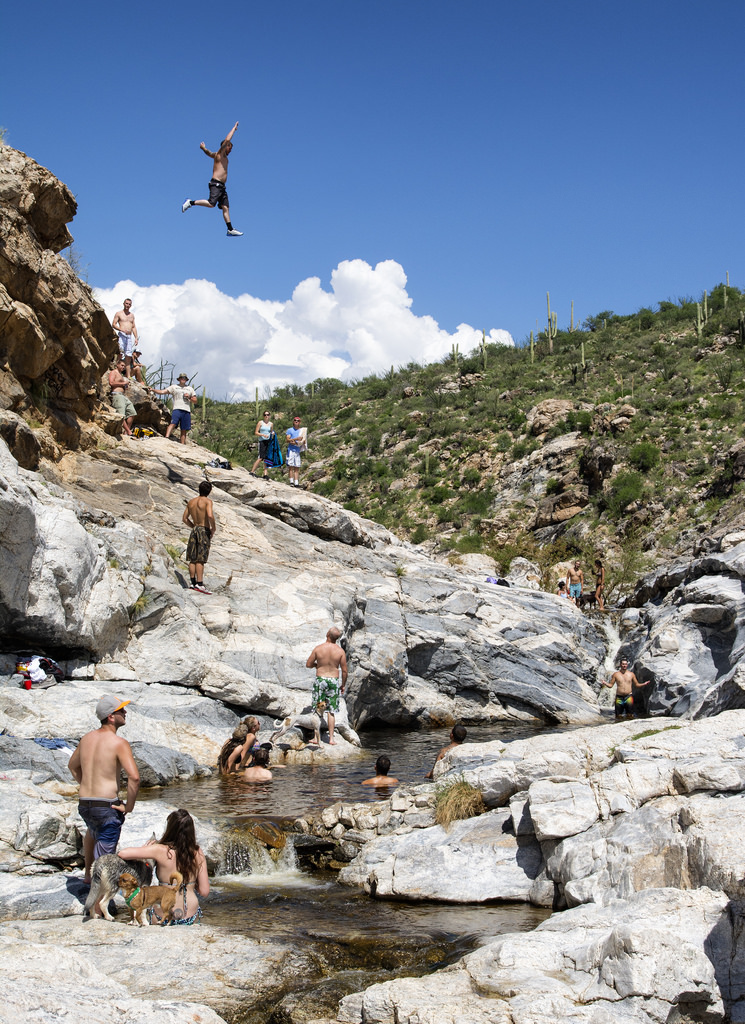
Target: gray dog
x=105 y=880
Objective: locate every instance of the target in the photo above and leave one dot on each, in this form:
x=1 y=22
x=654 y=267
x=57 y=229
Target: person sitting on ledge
x=457 y=736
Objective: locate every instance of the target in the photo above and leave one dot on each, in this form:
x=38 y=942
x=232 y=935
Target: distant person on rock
x=457 y=736
x=119 y=384
x=296 y=443
x=599 y=584
x=218 y=192
x=575 y=579
x=624 y=681
x=137 y=367
x=264 y=430
x=381 y=778
x=96 y=765
x=561 y=590
x=259 y=770
x=183 y=397
x=328 y=659
x=124 y=325
x=200 y=516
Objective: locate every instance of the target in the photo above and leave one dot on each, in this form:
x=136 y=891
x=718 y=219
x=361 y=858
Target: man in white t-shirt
x=182 y=395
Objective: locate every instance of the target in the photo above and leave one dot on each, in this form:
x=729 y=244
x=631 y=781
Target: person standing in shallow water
x=218 y=191
x=328 y=659
x=624 y=681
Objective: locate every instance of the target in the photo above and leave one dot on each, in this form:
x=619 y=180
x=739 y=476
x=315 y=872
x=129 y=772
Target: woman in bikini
x=599 y=583
x=237 y=750
x=177 y=850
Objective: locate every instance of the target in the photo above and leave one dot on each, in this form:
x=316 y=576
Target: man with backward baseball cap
x=96 y=764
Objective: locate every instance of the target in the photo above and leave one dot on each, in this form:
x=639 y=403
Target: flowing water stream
x=354 y=939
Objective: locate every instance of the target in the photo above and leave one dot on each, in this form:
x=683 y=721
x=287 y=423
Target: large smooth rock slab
x=645 y=960
x=690 y=639
x=104 y=971
x=474 y=860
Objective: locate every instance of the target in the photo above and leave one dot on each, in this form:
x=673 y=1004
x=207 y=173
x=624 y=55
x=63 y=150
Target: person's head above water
x=382 y=765
x=458 y=734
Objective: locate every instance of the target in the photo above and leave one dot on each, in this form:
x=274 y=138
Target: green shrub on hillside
x=627 y=487
x=644 y=456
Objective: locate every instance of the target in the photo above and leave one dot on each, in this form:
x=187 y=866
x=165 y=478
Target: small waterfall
x=259 y=848
x=613 y=639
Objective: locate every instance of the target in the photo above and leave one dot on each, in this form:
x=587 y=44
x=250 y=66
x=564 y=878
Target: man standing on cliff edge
x=95 y=765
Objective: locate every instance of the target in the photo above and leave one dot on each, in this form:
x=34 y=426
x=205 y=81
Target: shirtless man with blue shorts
x=328 y=659
x=96 y=765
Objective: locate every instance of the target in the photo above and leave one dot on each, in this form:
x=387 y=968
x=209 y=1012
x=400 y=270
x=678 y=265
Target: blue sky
x=491 y=150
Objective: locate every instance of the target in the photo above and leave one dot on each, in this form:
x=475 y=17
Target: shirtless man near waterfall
x=328 y=659
x=624 y=680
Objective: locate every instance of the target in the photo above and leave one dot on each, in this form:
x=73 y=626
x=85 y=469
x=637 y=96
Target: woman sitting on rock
x=238 y=749
x=177 y=850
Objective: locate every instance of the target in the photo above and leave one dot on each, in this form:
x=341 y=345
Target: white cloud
x=233 y=345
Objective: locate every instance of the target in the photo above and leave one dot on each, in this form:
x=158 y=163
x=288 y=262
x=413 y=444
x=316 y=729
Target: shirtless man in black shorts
x=218 y=192
x=624 y=680
x=200 y=516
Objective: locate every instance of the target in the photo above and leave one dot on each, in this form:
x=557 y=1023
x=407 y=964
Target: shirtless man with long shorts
x=328 y=659
x=95 y=764
x=624 y=680
x=218 y=192
x=200 y=516
x=124 y=325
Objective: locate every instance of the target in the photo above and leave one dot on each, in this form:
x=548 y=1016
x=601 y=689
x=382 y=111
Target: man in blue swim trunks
x=96 y=765
x=575 y=579
x=183 y=398
x=328 y=659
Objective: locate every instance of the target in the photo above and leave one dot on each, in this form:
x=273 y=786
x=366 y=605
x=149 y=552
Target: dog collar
x=128 y=899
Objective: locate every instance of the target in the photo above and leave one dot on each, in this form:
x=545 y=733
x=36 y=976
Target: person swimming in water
x=381 y=777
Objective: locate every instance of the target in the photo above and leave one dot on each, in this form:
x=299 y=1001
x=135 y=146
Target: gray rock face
x=690 y=639
x=663 y=955
x=21 y=753
x=594 y=815
x=160 y=765
x=426 y=643
x=105 y=971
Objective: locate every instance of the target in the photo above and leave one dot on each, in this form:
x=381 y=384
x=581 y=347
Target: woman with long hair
x=599 y=584
x=177 y=850
x=242 y=751
x=236 y=740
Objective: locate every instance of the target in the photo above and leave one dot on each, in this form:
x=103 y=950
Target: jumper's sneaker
x=185 y=205
x=200 y=587
x=234 y=234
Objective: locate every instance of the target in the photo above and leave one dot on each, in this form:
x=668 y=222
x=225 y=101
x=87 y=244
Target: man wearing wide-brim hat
x=96 y=764
x=183 y=398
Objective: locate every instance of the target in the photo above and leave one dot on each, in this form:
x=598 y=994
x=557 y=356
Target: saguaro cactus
x=551 y=326
x=483 y=350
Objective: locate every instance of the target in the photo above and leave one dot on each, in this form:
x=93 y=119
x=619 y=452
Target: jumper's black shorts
x=218 y=193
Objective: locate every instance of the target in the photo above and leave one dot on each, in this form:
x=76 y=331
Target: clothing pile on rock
x=38 y=671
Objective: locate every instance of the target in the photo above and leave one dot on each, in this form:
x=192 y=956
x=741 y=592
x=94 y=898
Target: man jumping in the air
x=218 y=192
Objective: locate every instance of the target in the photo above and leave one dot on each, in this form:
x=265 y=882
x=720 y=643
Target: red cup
x=26 y=684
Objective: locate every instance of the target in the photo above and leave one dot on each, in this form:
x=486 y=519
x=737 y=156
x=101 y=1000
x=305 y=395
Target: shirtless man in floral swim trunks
x=624 y=680
x=327 y=659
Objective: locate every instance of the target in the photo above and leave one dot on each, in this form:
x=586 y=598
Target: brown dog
x=139 y=898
